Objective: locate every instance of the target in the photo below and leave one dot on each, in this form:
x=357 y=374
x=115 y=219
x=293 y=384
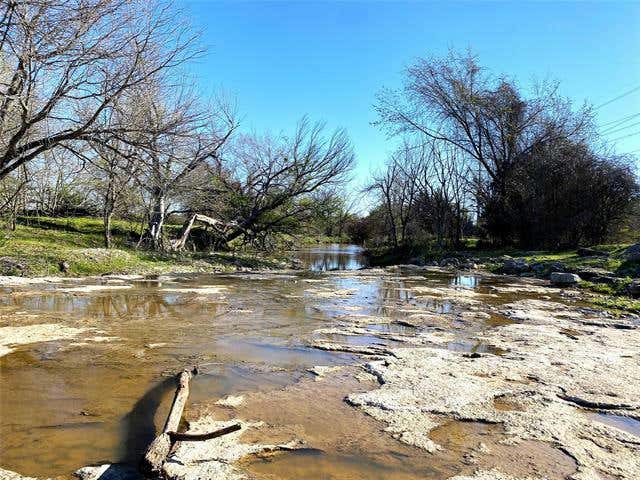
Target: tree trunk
x=106 y=220
x=107 y=212
x=157 y=218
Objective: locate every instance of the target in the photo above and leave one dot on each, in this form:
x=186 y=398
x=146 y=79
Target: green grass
x=617 y=288
x=613 y=263
x=41 y=243
x=617 y=304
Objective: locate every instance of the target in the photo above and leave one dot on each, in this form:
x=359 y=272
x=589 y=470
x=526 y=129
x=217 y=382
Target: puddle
x=392 y=328
x=359 y=340
x=454 y=434
x=317 y=465
x=628 y=424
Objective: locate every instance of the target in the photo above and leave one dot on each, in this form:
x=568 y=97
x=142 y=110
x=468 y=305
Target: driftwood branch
x=189 y=437
x=161 y=446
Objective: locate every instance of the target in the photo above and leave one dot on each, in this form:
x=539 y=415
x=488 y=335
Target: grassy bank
x=40 y=244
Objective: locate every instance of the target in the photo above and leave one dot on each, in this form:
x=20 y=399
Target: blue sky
x=282 y=60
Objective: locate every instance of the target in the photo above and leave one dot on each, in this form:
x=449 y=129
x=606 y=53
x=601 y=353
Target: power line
x=622 y=95
x=626 y=136
x=621 y=120
x=609 y=131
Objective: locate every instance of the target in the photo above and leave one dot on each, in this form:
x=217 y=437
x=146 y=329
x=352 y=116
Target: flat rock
x=549 y=374
x=12 y=336
x=563 y=279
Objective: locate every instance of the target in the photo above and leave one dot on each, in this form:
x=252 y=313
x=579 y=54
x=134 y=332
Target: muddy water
x=102 y=397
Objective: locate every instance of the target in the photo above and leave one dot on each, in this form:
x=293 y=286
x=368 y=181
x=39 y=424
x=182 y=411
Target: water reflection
x=466 y=281
x=332 y=257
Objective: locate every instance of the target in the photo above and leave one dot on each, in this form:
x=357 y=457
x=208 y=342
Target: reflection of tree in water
x=148 y=304
x=326 y=261
x=128 y=305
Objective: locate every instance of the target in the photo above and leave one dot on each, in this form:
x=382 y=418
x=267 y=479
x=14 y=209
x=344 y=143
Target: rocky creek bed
x=440 y=376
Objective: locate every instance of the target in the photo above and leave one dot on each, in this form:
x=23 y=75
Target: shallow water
x=66 y=404
x=627 y=424
x=333 y=257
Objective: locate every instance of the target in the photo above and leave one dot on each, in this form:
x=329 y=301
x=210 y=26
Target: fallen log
x=218 y=225
x=157 y=452
x=161 y=446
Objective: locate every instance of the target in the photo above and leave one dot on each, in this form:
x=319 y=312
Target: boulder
x=515 y=266
x=607 y=279
x=588 y=273
x=12 y=267
x=449 y=262
x=634 y=289
x=562 y=279
x=542 y=269
x=632 y=254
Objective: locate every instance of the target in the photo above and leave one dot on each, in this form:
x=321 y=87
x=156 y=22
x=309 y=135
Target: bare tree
x=12 y=195
x=56 y=184
x=398 y=189
x=64 y=62
x=114 y=165
x=444 y=184
x=184 y=137
x=453 y=100
x=268 y=183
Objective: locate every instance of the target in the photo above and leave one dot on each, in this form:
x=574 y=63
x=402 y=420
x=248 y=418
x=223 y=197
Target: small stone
x=559 y=278
x=515 y=267
x=231 y=401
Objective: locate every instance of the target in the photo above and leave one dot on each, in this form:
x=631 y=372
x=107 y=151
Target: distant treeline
x=478 y=157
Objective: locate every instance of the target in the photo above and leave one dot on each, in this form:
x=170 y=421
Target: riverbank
x=46 y=246
x=609 y=274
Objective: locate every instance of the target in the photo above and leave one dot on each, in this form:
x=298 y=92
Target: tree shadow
x=139 y=427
